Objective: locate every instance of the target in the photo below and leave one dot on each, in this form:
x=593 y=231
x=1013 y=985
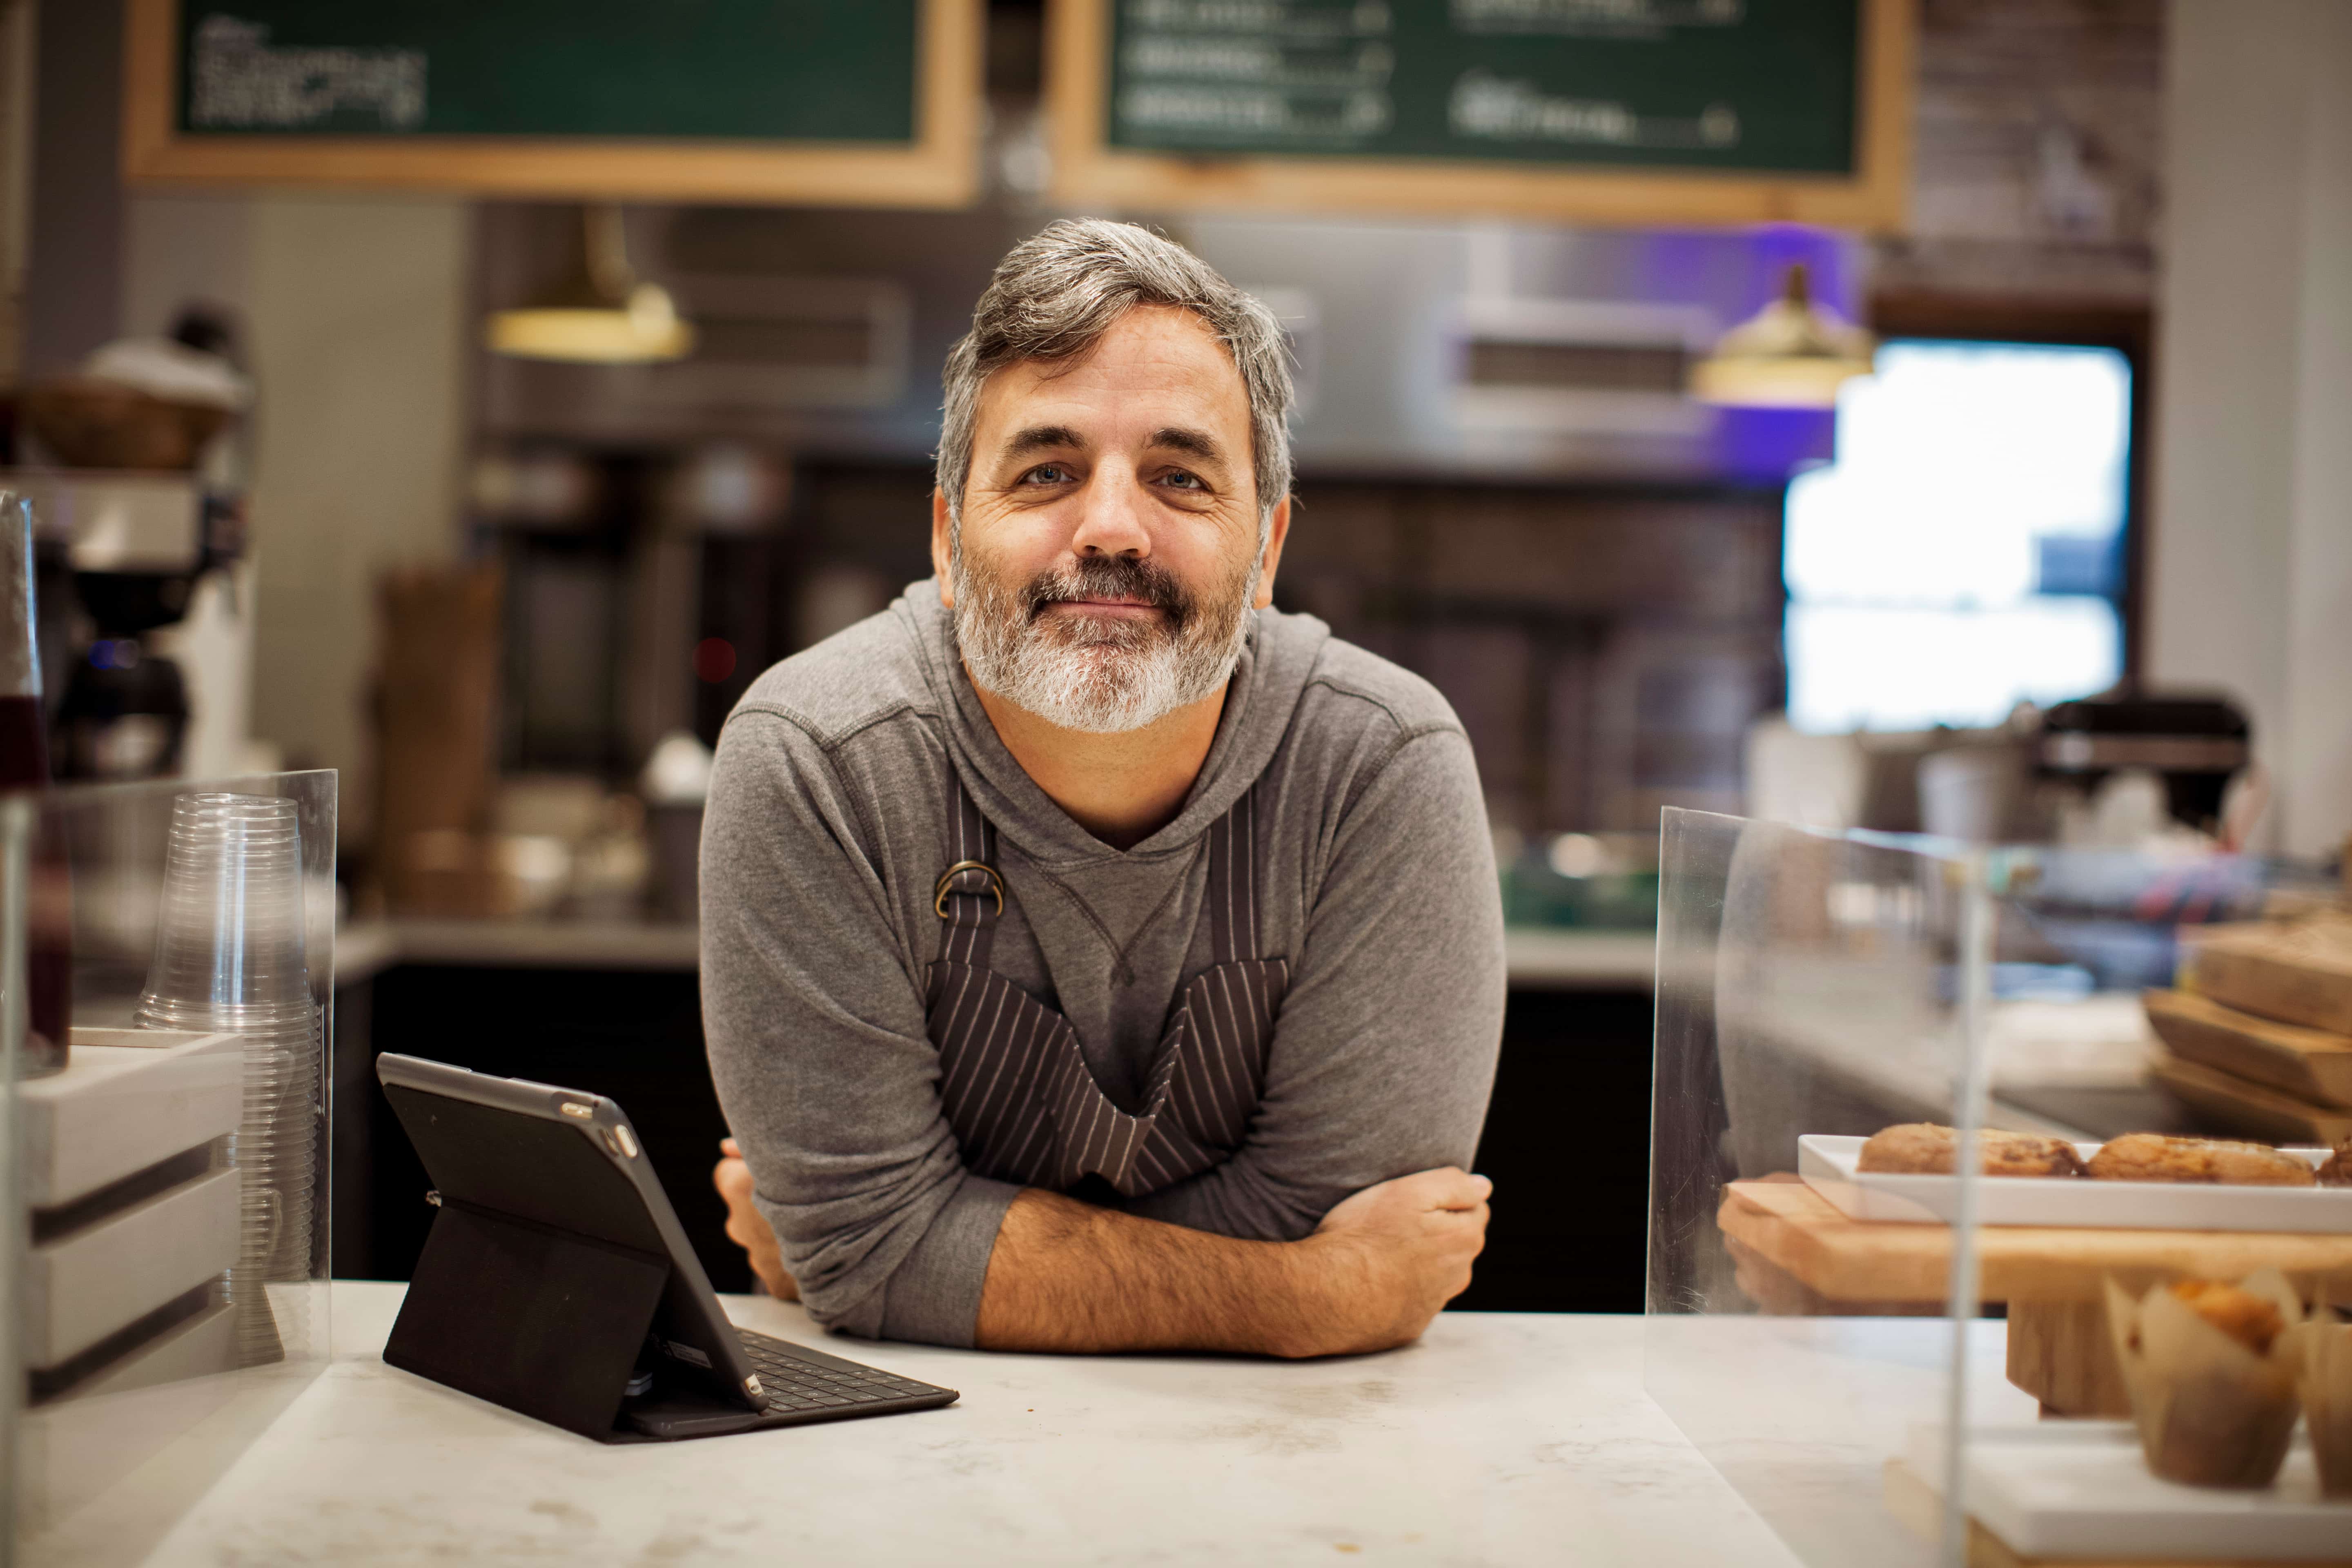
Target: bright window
x=1964 y=552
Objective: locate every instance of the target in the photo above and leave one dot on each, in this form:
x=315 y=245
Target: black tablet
x=557 y=1280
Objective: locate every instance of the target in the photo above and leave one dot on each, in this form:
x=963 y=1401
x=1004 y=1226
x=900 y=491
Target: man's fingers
x=1451 y=1187
x=1469 y=1225
x=1475 y=1189
x=1447 y=1190
x=732 y=1149
x=733 y=1179
x=747 y=1230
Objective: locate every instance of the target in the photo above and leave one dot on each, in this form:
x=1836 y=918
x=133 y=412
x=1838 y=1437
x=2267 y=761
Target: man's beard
x=1101 y=674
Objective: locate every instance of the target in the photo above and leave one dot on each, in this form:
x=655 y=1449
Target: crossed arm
x=1067 y=1276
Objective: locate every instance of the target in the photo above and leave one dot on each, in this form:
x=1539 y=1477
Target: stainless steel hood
x=1504 y=351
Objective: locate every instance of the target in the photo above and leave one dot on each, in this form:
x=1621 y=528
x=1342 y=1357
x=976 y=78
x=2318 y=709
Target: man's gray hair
x=1058 y=292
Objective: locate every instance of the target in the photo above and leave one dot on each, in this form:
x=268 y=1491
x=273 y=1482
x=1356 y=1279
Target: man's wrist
x=1314 y=1313
x=1287 y=1300
x=1064 y=1275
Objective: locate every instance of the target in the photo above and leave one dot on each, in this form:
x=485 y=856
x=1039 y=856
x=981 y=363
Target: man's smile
x=1122 y=608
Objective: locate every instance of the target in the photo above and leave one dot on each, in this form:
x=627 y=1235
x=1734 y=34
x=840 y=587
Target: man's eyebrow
x=1041 y=438
x=1200 y=443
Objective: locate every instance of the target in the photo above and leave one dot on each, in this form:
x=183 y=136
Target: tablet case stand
x=540 y=1320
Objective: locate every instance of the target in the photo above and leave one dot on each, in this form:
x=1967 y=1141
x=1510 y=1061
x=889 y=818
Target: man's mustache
x=1121 y=577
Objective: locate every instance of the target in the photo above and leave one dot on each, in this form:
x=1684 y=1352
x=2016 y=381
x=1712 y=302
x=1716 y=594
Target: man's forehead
x=1029 y=438
x=1157 y=368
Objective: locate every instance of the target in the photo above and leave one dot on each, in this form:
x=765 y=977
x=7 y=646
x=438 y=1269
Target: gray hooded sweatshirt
x=829 y=824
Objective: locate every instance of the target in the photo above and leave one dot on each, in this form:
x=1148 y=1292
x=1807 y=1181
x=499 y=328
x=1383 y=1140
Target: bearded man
x=1095 y=958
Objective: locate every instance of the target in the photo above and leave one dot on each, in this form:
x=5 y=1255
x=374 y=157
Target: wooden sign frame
x=1088 y=172
x=940 y=169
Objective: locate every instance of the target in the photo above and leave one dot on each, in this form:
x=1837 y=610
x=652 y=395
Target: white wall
x=2251 y=558
x=359 y=331
x=180 y=249
x=177 y=250
x=357 y=320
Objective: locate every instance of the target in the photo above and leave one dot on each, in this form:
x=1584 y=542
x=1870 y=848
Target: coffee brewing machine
x=135 y=546
x=134 y=470
x=2195 y=744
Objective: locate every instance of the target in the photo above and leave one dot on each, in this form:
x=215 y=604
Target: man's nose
x=1111 y=515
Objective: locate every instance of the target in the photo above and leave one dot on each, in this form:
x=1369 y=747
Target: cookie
x=1924 y=1147
x=2336 y=1171
x=2153 y=1157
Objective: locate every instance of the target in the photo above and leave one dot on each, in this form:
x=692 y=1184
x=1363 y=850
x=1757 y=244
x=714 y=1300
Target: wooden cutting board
x=2298 y=974
x=1797 y=1254
x=2254 y=1109
x=2312 y=1065
x=1796 y=1228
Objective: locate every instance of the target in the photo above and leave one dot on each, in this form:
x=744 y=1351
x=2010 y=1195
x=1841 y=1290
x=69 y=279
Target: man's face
x=1109 y=540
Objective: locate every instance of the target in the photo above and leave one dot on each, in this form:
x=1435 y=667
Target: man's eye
x=1048 y=474
x=1179 y=479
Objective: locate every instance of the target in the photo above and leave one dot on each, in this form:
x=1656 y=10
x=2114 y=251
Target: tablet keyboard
x=795 y=1378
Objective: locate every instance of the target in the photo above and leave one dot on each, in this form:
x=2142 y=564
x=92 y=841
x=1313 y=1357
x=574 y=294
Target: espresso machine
x=2194 y=743
x=137 y=489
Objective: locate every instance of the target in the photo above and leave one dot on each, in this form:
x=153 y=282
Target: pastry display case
x=1944 y=1266
x=167 y=1256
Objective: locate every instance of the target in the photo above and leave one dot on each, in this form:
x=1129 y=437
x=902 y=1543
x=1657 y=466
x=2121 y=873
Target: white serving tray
x=2080 y=1488
x=1827 y=1165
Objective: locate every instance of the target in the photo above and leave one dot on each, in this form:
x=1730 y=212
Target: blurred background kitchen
x=2009 y=500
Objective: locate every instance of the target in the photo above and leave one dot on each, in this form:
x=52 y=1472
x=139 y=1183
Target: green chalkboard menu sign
x=751 y=69
x=1714 y=84
x=872 y=102
x=1700 y=109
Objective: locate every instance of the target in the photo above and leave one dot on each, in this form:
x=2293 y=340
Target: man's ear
x=939 y=547
x=1278 y=529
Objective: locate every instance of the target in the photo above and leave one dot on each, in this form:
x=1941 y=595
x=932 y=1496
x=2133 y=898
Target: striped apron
x=1024 y=1107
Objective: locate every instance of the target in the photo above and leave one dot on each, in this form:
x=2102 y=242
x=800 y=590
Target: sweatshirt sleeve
x=1385 y=1048
x=815 y=1021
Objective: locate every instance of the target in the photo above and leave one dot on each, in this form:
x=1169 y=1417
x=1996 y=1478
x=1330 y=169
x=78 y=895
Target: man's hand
x=1067 y=1276
x=747 y=1230
x=1395 y=1254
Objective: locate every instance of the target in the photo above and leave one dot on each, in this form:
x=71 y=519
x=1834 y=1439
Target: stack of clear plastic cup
x=229 y=960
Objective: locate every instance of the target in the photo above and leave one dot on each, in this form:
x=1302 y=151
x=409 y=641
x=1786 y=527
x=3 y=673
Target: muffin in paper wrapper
x=2211 y=1410
x=2324 y=1379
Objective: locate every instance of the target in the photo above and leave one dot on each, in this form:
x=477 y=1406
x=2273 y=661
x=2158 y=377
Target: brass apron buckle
x=995 y=885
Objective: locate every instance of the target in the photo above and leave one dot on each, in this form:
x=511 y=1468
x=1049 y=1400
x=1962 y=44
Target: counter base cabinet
x=1567 y=1145
x=1567 y=1137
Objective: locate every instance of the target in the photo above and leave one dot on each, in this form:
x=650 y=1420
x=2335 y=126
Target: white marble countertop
x=1540 y=957
x=364 y=948
x=1499 y=1438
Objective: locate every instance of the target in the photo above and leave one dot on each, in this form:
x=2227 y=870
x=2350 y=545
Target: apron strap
x=968 y=896
x=1233 y=881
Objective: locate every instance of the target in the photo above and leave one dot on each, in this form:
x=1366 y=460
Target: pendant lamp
x=1793 y=354
x=601 y=315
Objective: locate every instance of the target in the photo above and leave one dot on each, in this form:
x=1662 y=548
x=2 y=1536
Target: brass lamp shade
x=1792 y=354
x=602 y=315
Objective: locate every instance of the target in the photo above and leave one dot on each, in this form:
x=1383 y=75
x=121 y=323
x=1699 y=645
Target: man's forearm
x=1067 y=1276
